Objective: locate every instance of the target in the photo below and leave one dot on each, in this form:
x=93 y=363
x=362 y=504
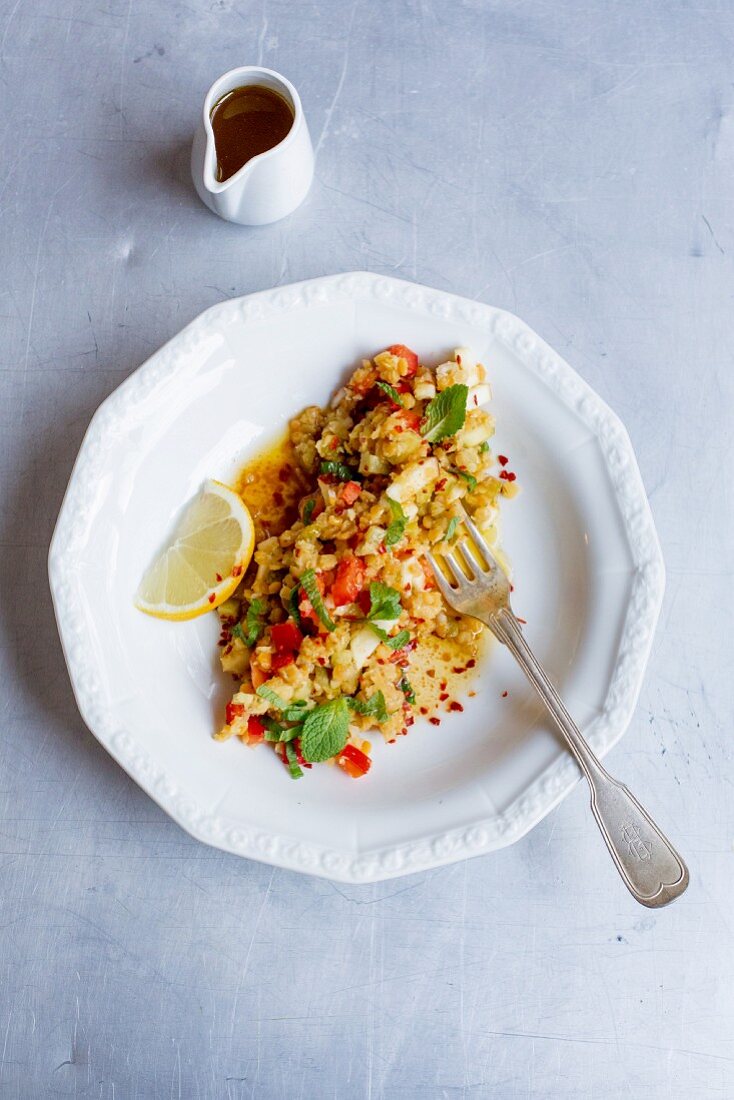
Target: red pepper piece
x=349 y=493
x=364 y=601
x=234 y=710
x=255 y=728
x=280 y=660
x=409 y=356
x=353 y=761
x=286 y=637
x=349 y=581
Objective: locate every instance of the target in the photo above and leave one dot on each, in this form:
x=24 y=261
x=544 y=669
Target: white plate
x=588 y=576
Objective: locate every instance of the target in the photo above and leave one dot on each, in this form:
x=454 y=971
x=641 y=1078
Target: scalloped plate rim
x=434 y=849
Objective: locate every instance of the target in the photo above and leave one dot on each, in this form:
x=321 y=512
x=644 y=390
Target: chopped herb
x=374 y=707
x=451 y=529
x=308 y=510
x=273 y=730
x=292 y=758
x=401 y=638
x=391 y=392
x=272 y=697
x=295 y=711
x=396 y=529
x=483 y=447
x=339 y=469
x=468 y=478
x=311 y=588
x=238 y=632
x=325 y=731
x=446 y=414
x=407 y=689
x=384 y=602
x=254 y=622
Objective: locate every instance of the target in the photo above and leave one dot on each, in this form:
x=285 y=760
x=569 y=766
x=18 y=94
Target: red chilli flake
x=219 y=577
x=455 y=706
x=443 y=696
x=424 y=710
x=506 y=475
x=212 y=597
x=523 y=621
x=237 y=571
x=471 y=663
x=504 y=694
x=435 y=721
x=503 y=460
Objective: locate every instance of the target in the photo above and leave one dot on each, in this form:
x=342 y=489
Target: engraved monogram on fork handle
x=651 y=868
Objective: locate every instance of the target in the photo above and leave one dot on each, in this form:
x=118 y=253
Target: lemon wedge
x=206 y=559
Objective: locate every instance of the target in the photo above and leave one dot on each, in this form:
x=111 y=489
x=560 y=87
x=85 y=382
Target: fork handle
x=650 y=867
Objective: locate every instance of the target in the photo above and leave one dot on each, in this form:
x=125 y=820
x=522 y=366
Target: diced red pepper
x=280 y=660
x=411 y=420
x=255 y=728
x=349 y=493
x=353 y=761
x=405 y=353
x=364 y=601
x=234 y=710
x=286 y=637
x=349 y=581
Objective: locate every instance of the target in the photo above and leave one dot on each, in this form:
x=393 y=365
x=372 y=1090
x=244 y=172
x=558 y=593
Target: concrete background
x=572 y=162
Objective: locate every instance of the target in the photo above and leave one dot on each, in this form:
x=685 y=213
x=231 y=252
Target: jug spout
x=271 y=184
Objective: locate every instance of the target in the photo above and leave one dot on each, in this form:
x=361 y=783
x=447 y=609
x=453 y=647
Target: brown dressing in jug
x=247 y=121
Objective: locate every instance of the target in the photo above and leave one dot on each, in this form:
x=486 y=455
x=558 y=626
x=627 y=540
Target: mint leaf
x=292 y=758
x=384 y=602
x=272 y=697
x=407 y=689
x=311 y=588
x=308 y=510
x=254 y=622
x=325 y=731
x=446 y=414
x=401 y=638
x=468 y=478
x=374 y=707
x=340 y=470
x=396 y=530
x=451 y=529
x=391 y=392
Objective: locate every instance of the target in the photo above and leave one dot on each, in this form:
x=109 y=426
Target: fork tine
x=479 y=541
x=474 y=568
x=455 y=569
x=441 y=581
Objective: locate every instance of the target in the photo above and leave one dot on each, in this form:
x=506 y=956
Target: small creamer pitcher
x=271 y=183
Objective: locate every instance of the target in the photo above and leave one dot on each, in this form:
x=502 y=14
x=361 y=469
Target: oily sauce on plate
x=271 y=485
x=247 y=121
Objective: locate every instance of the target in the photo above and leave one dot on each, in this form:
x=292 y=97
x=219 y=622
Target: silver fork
x=650 y=867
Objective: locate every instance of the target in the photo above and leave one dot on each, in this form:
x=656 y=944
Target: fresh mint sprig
x=445 y=414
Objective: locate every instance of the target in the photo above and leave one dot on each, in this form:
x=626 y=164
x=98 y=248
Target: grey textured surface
x=573 y=163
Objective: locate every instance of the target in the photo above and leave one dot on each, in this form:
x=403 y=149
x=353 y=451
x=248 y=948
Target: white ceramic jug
x=271 y=184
